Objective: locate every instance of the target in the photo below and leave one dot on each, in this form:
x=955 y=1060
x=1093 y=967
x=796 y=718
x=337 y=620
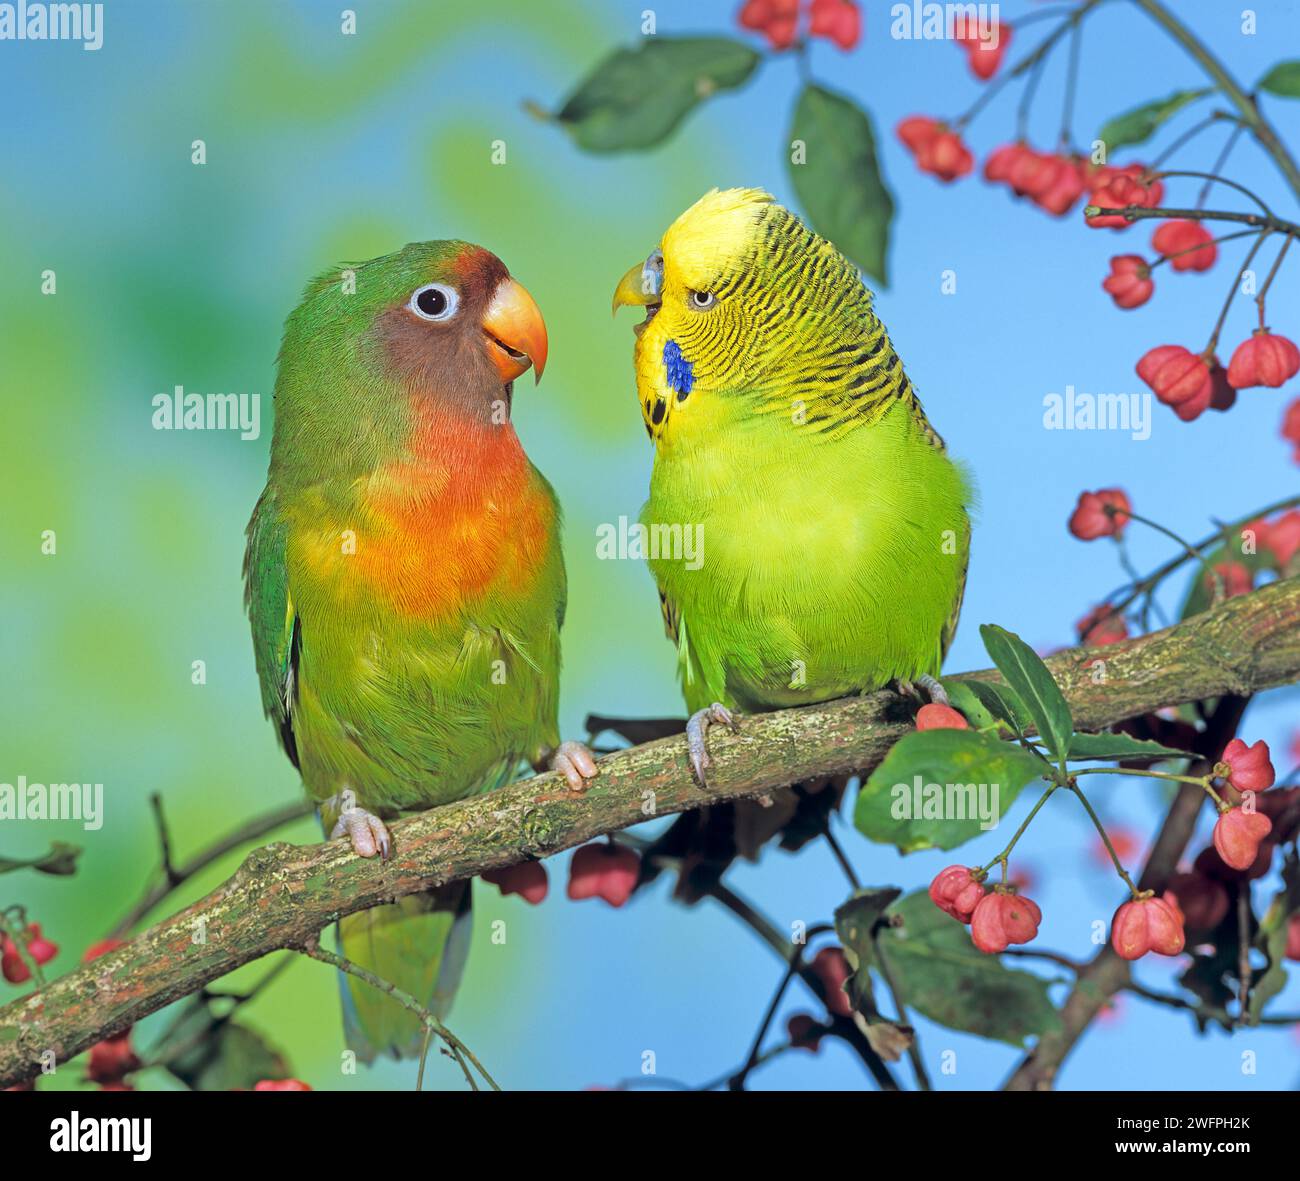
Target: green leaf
x=636 y=98
x=951 y=767
x=61 y=859
x=1003 y=703
x=943 y=976
x=1029 y=677
x=1121 y=746
x=968 y=704
x=838 y=181
x=1283 y=79
x=855 y=920
x=1141 y=123
x=211 y=1053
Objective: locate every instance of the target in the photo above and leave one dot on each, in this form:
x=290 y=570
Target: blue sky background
x=323 y=148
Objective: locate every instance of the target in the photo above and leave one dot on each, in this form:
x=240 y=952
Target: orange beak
x=515 y=330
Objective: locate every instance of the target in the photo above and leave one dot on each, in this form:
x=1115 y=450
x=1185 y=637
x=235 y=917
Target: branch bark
x=283 y=895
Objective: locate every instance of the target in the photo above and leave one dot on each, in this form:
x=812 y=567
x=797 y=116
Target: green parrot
x=830 y=524
x=405 y=585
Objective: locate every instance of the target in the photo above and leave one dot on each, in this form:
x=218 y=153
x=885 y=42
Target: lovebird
x=405 y=583
x=831 y=524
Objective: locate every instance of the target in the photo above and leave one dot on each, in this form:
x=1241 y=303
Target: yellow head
x=746 y=308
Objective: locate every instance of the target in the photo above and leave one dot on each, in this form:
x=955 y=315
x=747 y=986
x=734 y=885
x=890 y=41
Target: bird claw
x=924 y=686
x=576 y=762
x=936 y=692
x=368 y=834
x=697 y=728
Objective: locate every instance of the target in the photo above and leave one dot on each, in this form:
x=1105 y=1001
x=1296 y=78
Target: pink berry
x=957 y=891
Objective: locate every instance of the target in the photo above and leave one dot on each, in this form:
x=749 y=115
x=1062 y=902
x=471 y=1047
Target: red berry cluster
x=1232 y=579
x=1108 y=511
x=781 y=21
x=1190 y=382
x=1102 y=625
x=1052 y=181
x=1104 y=513
x=984 y=54
x=940 y=717
x=937 y=148
x=1280 y=537
x=1242 y=829
x=998 y=917
x=1147 y=923
x=527 y=879
x=12 y=965
x=1188 y=245
x=1197 y=899
x=1264 y=359
x=605 y=871
x=1119 y=188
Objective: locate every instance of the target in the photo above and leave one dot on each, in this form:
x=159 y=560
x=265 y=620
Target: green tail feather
x=418 y=944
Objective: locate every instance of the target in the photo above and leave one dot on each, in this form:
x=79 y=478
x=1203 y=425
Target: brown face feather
x=449 y=360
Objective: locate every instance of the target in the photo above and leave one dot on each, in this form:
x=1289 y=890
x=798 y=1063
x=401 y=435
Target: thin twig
x=1160 y=573
x=459 y=1051
x=1232 y=292
x=1246 y=106
x=1244 y=974
x=1219 y=163
x=164 y=836
x=842 y=1027
x=896 y=992
x=845 y=864
x=1071 y=87
x=1147 y=212
x=737 y=1081
x=1272 y=274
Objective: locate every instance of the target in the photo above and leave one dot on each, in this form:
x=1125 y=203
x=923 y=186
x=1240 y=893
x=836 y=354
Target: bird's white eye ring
x=702 y=301
x=434 y=301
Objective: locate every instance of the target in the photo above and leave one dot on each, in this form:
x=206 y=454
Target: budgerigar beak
x=642 y=286
x=516 y=331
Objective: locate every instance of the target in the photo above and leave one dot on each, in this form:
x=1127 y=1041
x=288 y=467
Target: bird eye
x=702 y=301
x=435 y=301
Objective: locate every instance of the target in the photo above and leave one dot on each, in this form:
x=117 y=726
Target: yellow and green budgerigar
x=405 y=583
x=832 y=526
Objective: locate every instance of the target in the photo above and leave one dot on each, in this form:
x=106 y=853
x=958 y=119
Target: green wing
x=276 y=635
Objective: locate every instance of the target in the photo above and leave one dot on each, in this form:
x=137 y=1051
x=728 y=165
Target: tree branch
x=284 y=895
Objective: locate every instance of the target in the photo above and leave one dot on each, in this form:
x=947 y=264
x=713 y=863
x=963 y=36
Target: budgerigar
x=405 y=583
x=833 y=524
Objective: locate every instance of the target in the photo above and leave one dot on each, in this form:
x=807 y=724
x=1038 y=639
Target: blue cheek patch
x=681 y=375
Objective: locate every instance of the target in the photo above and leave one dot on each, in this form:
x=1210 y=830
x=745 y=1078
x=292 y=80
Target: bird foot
x=697 y=729
x=368 y=834
x=924 y=686
x=576 y=762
